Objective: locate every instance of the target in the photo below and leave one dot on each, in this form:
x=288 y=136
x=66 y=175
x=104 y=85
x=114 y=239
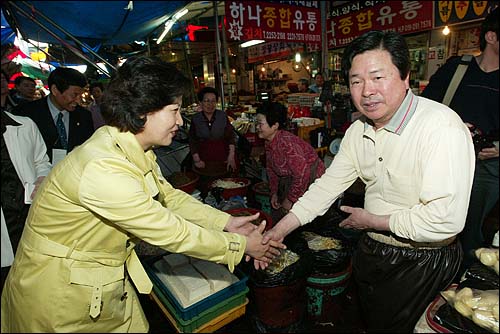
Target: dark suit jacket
x=81 y=126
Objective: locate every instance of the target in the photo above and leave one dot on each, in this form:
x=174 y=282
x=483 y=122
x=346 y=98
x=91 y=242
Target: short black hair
x=64 y=77
x=490 y=23
x=304 y=81
x=205 y=90
x=390 y=41
x=19 y=80
x=140 y=86
x=274 y=112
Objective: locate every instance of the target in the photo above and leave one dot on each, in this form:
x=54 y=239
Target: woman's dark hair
x=390 y=41
x=275 y=112
x=140 y=86
x=205 y=90
x=64 y=77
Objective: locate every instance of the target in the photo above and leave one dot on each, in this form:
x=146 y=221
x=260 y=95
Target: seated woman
x=211 y=138
x=291 y=163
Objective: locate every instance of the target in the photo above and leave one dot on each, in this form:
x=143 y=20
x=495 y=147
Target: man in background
x=63 y=123
x=25 y=88
x=476 y=101
x=318 y=83
x=96 y=90
x=303 y=86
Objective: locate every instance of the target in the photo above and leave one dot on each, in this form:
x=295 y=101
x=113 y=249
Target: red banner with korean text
x=247 y=20
x=344 y=23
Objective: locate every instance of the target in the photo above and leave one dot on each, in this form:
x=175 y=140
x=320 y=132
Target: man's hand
x=277 y=234
x=488 y=153
x=38 y=182
x=361 y=219
x=261 y=252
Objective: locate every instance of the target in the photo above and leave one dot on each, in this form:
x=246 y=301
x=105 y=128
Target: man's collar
x=402 y=116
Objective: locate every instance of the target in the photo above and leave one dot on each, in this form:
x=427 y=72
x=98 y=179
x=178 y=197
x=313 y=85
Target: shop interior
x=320 y=119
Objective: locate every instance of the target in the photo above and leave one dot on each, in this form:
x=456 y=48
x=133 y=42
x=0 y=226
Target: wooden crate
x=303 y=131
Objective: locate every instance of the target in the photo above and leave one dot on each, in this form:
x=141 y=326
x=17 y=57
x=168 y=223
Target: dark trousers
x=483 y=198
x=396 y=284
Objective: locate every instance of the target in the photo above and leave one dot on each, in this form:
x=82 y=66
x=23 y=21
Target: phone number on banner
x=290 y=36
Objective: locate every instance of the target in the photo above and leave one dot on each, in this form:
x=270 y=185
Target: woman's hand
x=263 y=253
x=242 y=225
x=231 y=162
x=274 y=201
x=199 y=164
x=287 y=204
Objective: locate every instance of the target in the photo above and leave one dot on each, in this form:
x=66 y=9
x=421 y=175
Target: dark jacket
x=81 y=126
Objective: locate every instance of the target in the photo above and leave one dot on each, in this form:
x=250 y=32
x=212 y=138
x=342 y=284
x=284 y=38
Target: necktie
x=61 y=130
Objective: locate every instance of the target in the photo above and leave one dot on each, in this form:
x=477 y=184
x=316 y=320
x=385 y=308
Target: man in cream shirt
x=416 y=159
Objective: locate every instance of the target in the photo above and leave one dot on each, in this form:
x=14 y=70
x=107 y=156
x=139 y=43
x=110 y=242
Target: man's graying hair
x=390 y=41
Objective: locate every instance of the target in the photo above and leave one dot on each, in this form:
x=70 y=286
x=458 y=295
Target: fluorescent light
x=180 y=14
x=79 y=68
x=170 y=23
x=252 y=42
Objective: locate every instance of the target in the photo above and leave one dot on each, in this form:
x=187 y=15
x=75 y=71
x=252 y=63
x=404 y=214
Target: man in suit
x=63 y=123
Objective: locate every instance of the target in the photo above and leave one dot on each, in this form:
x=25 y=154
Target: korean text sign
x=247 y=20
x=356 y=18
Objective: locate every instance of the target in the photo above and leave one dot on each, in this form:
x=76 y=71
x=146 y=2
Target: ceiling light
x=170 y=23
x=446 y=30
x=180 y=13
x=252 y=42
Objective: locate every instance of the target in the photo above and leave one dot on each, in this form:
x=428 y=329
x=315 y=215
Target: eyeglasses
x=209 y=101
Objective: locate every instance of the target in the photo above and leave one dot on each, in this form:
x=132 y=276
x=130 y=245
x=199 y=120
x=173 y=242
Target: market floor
x=347 y=322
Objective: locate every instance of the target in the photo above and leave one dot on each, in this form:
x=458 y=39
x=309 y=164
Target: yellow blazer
x=71 y=270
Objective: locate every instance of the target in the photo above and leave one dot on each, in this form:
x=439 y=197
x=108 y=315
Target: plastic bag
x=449 y=318
x=488 y=257
x=479 y=276
x=334 y=259
x=481 y=306
x=301 y=268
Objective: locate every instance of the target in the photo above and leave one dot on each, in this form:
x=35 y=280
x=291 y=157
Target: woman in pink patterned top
x=291 y=163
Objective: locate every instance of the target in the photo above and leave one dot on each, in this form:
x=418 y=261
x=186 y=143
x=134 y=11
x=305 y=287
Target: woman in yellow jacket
x=72 y=268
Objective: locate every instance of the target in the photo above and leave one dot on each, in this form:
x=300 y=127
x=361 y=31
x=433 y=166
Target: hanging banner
x=452 y=12
x=355 y=18
x=272 y=21
x=272 y=50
